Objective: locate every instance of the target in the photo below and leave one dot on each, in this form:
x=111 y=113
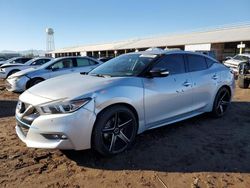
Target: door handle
x=215 y=77
x=186 y=84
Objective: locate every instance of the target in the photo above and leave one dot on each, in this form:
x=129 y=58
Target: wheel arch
x=32 y=79
x=11 y=72
x=129 y=106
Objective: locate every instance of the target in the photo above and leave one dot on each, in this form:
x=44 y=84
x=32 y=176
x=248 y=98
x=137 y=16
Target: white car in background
x=234 y=62
x=14 y=60
x=25 y=79
x=8 y=69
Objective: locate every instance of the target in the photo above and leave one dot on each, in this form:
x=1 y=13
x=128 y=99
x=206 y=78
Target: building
x=222 y=42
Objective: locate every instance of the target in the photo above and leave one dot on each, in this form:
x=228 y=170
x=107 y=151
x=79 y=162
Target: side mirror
x=159 y=72
x=228 y=57
x=54 y=68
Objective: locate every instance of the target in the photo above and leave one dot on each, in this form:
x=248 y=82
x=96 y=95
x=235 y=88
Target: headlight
x=62 y=107
x=2 y=69
x=15 y=78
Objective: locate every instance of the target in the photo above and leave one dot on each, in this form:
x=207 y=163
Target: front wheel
x=221 y=102
x=115 y=130
x=34 y=82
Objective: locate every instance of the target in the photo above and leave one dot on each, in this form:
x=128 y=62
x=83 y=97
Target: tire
x=243 y=83
x=34 y=82
x=12 y=72
x=221 y=102
x=114 y=131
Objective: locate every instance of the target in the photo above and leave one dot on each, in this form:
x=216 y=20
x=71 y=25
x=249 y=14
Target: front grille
x=25 y=115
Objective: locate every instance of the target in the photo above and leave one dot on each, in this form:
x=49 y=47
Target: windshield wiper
x=101 y=75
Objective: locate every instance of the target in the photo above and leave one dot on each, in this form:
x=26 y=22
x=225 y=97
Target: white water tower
x=50 y=45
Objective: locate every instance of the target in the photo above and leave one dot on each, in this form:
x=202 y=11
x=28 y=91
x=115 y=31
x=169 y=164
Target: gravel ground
x=199 y=152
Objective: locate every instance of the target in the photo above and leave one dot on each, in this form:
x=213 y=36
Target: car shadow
x=7 y=108
x=199 y=144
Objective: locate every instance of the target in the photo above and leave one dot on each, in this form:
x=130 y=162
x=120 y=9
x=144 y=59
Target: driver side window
x=173 y=63
x=63 y=64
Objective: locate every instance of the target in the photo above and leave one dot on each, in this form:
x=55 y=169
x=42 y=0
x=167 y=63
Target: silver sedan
x=121 y=98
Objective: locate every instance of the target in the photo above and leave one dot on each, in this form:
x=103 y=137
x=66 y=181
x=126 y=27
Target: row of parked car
x=22 y=73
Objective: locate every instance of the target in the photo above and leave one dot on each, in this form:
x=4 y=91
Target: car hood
x=233 y=61
x=23 y=72
x=11 y=65
x=71 y=86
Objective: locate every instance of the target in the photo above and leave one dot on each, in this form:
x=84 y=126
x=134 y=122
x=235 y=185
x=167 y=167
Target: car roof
x=166 y=52
x=60 y=58
x=247 y=55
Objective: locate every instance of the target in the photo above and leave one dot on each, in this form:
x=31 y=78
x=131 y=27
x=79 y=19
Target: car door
x=205 y=78
x=60 y=67
x=84 y=65
x=168 y=98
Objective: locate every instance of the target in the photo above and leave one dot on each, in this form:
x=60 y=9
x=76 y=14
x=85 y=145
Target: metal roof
x=221 y=35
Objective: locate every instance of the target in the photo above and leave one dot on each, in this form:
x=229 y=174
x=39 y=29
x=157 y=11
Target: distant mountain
x=26 y=52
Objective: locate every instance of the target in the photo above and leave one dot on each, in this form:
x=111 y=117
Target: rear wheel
x=242 y=82
x=221 y=102
x=114 y=131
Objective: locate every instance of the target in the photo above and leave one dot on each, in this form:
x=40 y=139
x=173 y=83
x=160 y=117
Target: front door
x=168 y=98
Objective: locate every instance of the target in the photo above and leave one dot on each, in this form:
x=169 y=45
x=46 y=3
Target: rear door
x=205 y=78
x=168 y=98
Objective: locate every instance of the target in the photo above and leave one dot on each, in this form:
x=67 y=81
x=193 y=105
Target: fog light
x=55 y=136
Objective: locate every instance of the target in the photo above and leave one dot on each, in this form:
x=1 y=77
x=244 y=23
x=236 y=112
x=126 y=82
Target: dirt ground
x=199 y=152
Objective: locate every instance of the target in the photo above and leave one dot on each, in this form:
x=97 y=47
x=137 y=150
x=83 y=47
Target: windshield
x=124 y=65
x=11 y=59
x=241 y=58
x=45 y=65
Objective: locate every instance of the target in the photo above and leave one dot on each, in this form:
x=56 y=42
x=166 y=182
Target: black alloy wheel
x=221 y=103
x=115 y=130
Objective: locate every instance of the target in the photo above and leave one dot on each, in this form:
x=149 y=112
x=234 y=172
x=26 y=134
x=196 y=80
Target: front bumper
x=17 y=85
x=76 y=126
x=3 y=74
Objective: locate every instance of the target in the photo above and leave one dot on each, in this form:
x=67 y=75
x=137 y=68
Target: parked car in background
x=8 y=69
x=121 y=98
x=104 y=59
x=2 y=60
x=13 y=60
x=25 y=79
x=234 y=62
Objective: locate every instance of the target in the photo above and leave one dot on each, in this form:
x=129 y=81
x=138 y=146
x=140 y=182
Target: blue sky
x=79 y=22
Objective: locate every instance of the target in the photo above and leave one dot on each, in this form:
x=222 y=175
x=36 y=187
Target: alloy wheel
x=118 y=132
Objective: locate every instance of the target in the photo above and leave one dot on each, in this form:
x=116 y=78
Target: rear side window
x=82 y=62
x=174 y=63
x=210 y=62
x=196 y=63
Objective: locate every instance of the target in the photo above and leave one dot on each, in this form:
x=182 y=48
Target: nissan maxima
x=106 y=108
